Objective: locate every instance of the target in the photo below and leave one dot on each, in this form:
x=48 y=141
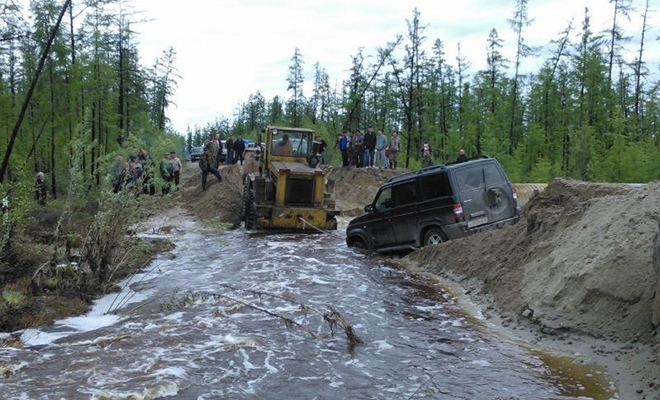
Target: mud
x=579 y=272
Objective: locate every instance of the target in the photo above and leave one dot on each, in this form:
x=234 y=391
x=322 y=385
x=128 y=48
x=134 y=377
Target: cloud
x=228 y=49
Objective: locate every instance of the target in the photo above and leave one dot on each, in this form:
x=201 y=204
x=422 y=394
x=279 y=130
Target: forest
x=73 y=97
x=588 y=113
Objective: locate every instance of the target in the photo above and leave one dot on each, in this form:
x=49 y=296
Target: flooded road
x=170 y=337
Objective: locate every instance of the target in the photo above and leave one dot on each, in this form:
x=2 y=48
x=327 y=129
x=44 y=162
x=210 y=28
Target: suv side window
x=384 y=200
x=434 y=186
x=404 y=194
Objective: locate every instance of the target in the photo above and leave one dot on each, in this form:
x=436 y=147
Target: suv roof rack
x=416 y=172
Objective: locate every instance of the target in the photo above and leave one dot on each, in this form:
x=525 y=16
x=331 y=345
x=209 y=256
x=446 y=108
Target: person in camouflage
x=214 y=147
x=395 y=146
x=41 y=189
x=206 y=165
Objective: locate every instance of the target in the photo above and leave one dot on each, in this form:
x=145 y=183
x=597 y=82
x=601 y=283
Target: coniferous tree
x=296 y=82
x=519 y=22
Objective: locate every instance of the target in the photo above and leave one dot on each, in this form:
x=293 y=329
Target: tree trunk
x=53 y=174
x=28 y=96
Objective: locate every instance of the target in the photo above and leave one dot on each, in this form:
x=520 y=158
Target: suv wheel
x=358 y=244
x=433 y=236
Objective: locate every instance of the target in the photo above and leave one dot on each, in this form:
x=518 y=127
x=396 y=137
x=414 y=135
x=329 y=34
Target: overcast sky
x=228 y=49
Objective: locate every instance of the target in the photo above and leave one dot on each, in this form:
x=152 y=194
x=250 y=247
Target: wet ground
x=179 y=330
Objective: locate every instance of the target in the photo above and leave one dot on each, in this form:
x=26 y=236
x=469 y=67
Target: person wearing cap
x=206 y=165
x=41 y=189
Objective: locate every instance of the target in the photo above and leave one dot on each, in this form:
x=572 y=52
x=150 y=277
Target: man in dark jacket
x=229 y=145
x=358 y=149
x=239 y=148
x=369 y=147
x=461 y=156
x=206 y=165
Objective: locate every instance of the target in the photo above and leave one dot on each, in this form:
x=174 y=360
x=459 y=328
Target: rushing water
x=164 y=339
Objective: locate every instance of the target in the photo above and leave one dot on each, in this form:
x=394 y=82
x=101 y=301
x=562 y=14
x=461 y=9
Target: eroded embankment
x=221 y=201
x=583 y=258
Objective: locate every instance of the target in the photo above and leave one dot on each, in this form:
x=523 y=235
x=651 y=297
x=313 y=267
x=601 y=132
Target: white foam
x=383 y=345
x=481 y=363
x=178 y=372
x=96 y=318
x=36 y=337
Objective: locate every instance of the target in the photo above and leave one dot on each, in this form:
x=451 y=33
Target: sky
x=229 y=49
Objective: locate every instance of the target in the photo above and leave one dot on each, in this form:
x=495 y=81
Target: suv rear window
x=435 y=185
x=477 y=176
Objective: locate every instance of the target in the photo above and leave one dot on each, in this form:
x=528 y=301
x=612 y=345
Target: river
x=178 y=330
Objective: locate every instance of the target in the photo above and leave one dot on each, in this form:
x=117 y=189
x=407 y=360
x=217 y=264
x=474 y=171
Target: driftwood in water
x=333 y=317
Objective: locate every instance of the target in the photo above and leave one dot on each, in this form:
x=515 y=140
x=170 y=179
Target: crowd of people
x=139 y=171
x=375 y=150
x=369 y=149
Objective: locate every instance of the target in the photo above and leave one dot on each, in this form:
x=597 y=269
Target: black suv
x=434 y=204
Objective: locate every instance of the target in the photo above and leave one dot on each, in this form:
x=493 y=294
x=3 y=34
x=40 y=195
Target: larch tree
x=295 y=82
x=518 y=23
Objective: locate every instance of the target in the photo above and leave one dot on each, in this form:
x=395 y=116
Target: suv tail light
x=515 y=196
x=458 y=212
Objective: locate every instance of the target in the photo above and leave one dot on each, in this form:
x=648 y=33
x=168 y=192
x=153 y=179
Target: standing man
x=41 y=189
x=239 y=148
x=229 y=145
x=369 y=147
x=176 y=167
x=322 y=147
x=395 y=146
x=381 y=144
x=206 y=167
x=214 y=146
x=427 y=158
x=358 y=149
x=461 y=156
x=342 y=143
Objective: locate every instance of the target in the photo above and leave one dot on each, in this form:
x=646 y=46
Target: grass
x=217 y=223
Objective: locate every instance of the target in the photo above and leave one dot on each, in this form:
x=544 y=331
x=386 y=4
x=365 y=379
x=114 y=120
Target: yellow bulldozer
x=284 y=188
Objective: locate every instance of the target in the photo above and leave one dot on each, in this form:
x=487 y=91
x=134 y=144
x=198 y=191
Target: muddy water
x=163 y=339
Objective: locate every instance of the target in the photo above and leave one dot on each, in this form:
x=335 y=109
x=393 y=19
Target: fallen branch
x=333 y=317
x=288 y=322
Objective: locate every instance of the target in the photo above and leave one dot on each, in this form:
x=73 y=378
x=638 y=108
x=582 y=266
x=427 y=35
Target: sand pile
x=356 y=187
x=220 y=200
x=584 y=258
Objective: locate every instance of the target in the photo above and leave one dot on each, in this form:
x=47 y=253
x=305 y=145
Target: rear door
x=485 y=193
x=437 y=207
x=405 y=214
